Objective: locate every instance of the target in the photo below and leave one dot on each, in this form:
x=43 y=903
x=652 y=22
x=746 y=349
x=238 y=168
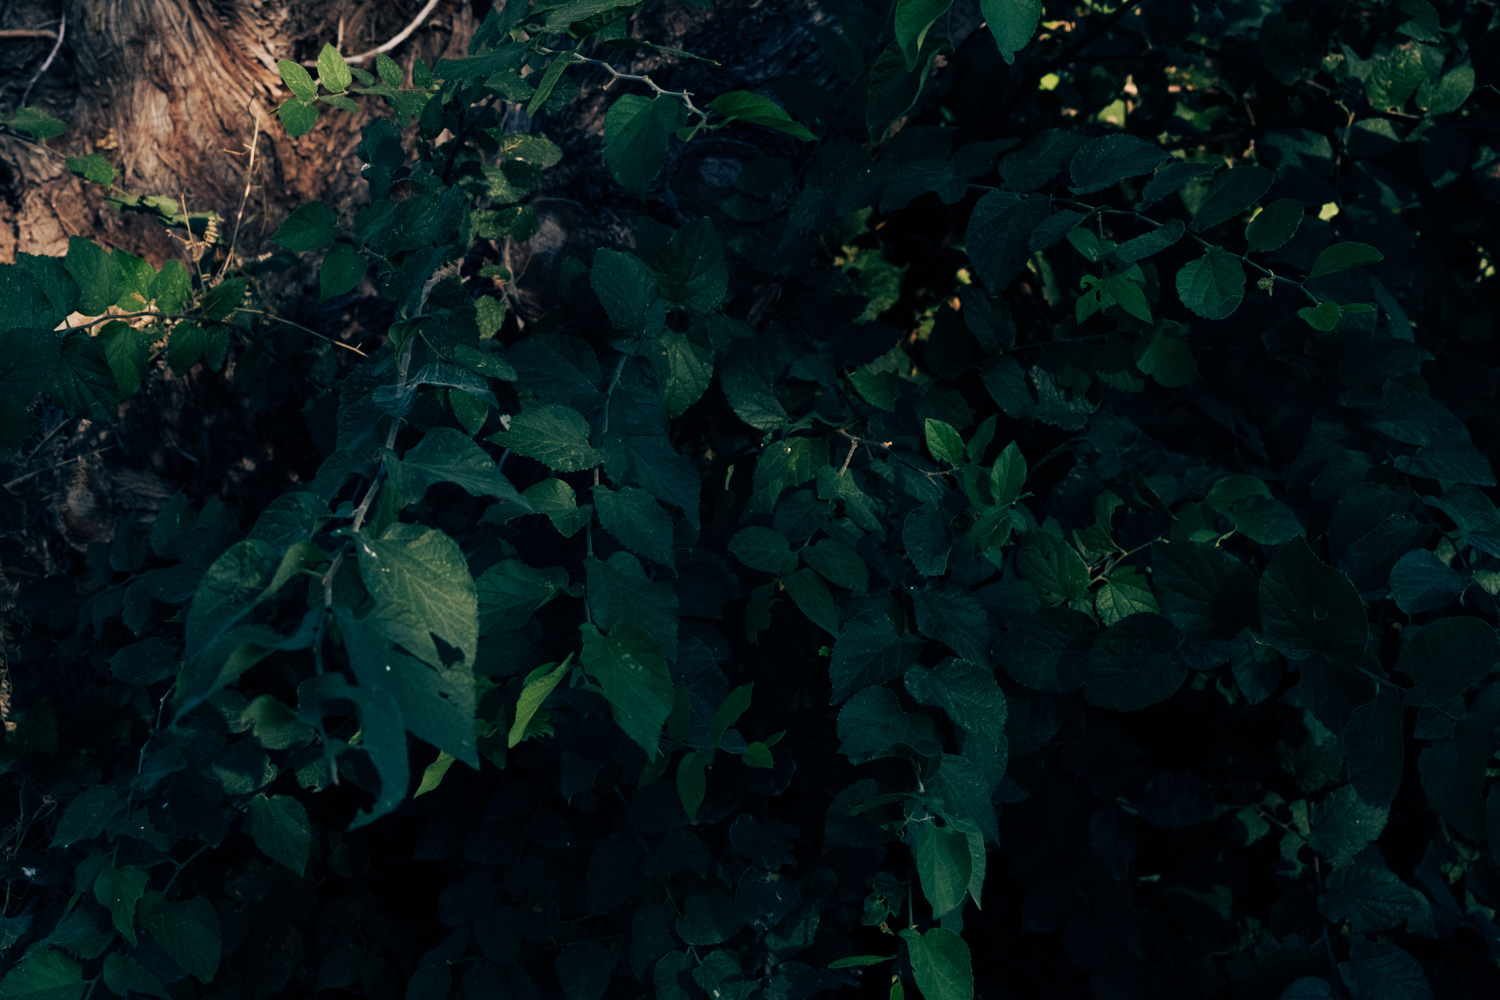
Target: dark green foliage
x=1059 y=479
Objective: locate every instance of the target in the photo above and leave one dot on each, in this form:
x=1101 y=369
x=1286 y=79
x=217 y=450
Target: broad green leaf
x=1306 y=608
x=510 y=591
x=953 y=615
x=312 y=226
x=333 y=72
x=1012 y=22
x=944 y=443
x=940 y=962
x=1204 y=590
x=188 y=930
x=1448 y=93
x=757 y=110
x=943 y=865
x=1420 y=581
x=928 y=538
x=1342 y=257
x=1041 y=159
x=432 y=775
x=999 y=236
x=1008 y=475
x=93 y=167
x=124 y=975
x=709 y=917
x=1150 y=243
x=555 y=435
x=97 y=272
x=691 y=782
x=864 y=654
x=764 y=549
x=810 y=594
x=37 y=124
x=119 y=890
x=1475 y=515
x=298 y=117
x=390 y=71
x=583 y=970
x=420 y=573
x=279 y=827
x=1382 y=971
x=1341 y=825
x=635 y=518
x=872 y=720
x=1274 y=226
x=1213 y=285
x=47 y=975
x=1246 y=501
x=297 y=79
x=172 y=288
x=967 y=691
x=446 y=455
x=224 y=298
x=1135 y=664
x=628 y=291
x=86 y=816
x=636 y=130
x=633 y=674
x=1447 y=657
x=556 y=499
x=539 y=684
x=1163 y=354
x=838 y=564
x=1052 y=566
x=729 y=712
x=383 y=737
x=689 y=370
x=1374 y=750
x=1453 y=774
x=1109 y=159
x=342 y=270
x=1322 y=317
x=690 y=269
x=1369 y=896
x=1230 y=194
x=893 y=89
x=913 y=19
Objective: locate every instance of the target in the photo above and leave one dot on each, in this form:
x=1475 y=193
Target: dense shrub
x=1060 y=481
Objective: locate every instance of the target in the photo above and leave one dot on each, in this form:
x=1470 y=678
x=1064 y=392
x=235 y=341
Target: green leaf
x=943 y=865
x=279 y=827
x=446 y=455
x=1446 y=658
x=1230 y=194
x=1322 y=317
x=636 y=130
x=119 y=890
x=86 y=816
x=93 y=167
x=928 y=538
x=913 y=19
x=1374 y=750
x=124 y=975
x=555 y=435
x=1342 y=257
x=953 y=615
x=1247 y=503
x=810 y=594
x=390 y=71
x=628 y=290
x=342 y=270
x=690 y=269
x=1475 y=515
x=1008 y=475
x=1012 y=22
x=999 y=235
x=692 y=785
x=312 y=226
x=100 y=281
x=1448 y=94
x=893 y=89
x=1052 y=566
x=432 y=775
x=864 y=654
x=1453 y=775
x=1163 y=354
x=333 y=72
x=1369 y=896
x=967 y=691
x=872 y=720
x=384 y=737
x=47 y=975
x=188 y=930
x=635 y=518
x=1307 y=608
x=1213 y=285
x=838 y=564
x=1109 y=159
x=539 y=684
x=297 y=117
x=632 y=672
x=297 y=79
x=1420 y=581
x=944 y=443
x=510 y=591
x=757 y=110
x=37 y=124
x=709 y=917
x=420 y=573
x=1381 y=971
x=729 y=712
x=1341 y=825
x=854 y=961
x=764 y=549
x=172 y=288
x=1274 y=225
x=1135 y=664
x=940 y=962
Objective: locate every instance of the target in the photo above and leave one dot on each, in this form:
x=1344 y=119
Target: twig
x=181 y=866
x=249 y=180
x=402 y=36
x=20 y=34
x=62 y=30
x=684 y=96
x=36 y=472
x=332 y=340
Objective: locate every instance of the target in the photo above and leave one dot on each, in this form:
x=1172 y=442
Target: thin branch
x=21 y=34
x=62 y=30
x=36 y=472
x=685 y=96
x=315 y=333
x=249 y=180
x=402 y=36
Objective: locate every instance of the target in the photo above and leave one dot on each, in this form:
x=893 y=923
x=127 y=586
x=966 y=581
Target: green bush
x=1058 y=480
